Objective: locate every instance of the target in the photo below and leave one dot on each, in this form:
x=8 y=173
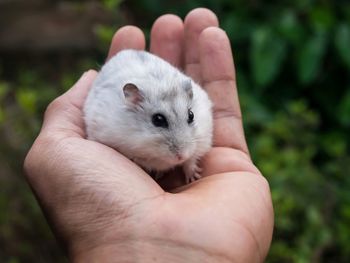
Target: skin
x=104 y=208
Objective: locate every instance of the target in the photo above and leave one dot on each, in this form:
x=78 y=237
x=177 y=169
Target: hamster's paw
x=192 y=171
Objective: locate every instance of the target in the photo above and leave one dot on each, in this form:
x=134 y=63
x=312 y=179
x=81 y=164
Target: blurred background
x=293 y=63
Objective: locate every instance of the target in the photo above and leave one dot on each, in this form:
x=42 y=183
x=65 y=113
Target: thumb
x=64 y=115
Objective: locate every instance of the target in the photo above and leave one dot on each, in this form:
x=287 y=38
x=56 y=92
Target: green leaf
x=2 y=115
x=344 y=109
x=104 y=34
x=267 y=54
x=303 y=4
x=310 y=58
x=112 y=4
x=334 y=144
x=342 y=43
x=289 y=27
x=4 y=89
x=322 y=19
x=237 y=28
x=27 y=100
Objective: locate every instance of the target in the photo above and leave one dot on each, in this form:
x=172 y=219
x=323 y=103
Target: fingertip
x=201 y=15
x=213 y=34
x=89 y=74
x=127 y=37
x=87 y=77
x=167 y=38
x=82 y=86
x=167 y=28
x=167 y=20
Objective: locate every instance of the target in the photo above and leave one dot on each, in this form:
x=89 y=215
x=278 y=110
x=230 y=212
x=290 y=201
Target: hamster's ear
x=132 y=94
x=188 y=88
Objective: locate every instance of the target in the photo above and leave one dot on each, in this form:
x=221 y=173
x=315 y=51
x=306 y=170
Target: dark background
x=293 y=65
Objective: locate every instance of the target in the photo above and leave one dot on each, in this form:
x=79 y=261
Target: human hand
x=104 y=208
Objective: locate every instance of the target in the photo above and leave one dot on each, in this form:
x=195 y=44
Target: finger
x=65 y=113
x=195 y=22
x=219 y=80
x=77 y=94
x=167 y=39
x=127 y=37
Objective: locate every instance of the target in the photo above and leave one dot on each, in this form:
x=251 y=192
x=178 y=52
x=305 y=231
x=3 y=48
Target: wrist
x=146 y=251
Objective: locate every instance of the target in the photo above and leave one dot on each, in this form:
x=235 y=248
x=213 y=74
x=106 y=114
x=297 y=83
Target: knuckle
x=56 y=105
x=28 y=163
x=33 y=162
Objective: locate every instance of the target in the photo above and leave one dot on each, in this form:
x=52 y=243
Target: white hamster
x=150 y=112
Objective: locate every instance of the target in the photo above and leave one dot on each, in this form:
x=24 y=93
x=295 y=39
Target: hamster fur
x=130 y=98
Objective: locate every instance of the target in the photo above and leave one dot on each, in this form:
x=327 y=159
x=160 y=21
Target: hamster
x=150 y=112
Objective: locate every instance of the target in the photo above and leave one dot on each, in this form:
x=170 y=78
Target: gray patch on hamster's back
x=157 y=74
x=169 y=95
x=142 y=55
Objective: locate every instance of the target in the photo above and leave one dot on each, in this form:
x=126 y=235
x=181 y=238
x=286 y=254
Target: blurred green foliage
x=293 y=63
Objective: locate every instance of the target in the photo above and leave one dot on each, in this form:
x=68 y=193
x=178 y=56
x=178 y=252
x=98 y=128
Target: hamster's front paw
x=192 y=171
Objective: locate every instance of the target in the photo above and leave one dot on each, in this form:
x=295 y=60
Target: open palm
x=105 y=208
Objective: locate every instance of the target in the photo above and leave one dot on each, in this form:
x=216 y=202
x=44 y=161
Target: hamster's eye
x=159 y=120
x=190 y=117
